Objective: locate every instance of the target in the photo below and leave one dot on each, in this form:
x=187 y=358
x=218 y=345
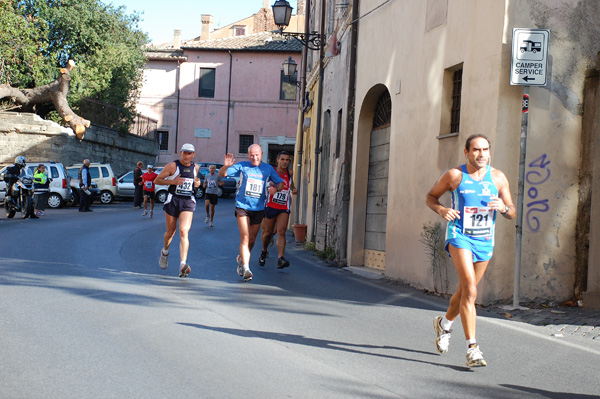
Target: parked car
x=74 y=175
x=207 y=164
x=229 y=183
x=103 y=175
x=127 y=190
x=60 y=186
x=3 y=184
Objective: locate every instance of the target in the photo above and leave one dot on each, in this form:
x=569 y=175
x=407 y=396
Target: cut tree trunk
x=55 y=93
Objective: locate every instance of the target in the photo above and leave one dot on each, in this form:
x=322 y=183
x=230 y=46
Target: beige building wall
x=429 y=39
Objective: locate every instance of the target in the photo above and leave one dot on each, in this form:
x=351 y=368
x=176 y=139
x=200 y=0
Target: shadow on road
x=327 y=344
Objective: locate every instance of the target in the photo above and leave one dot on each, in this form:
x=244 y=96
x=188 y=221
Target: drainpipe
x=300 y=139
x=228 y=103
x=178 y=99
x=318 y=128
x=348 y=140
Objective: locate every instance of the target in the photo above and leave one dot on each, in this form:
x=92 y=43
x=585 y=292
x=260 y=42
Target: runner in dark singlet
x=181 y=176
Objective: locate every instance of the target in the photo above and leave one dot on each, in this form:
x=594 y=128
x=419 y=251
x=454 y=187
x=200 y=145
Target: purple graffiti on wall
x=535 y=177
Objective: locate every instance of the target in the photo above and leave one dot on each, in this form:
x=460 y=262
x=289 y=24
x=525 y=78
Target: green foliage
x=433 y=239
x=310 y=246
x=105 y=43
x=328 y=253
x=21 y=62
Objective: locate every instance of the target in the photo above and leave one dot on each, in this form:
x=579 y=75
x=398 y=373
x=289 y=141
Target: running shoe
x=475 y=357
x=262 y=258
x=211 y=224
x=442 y=337
x=240 y=269
x=282 y=262
x=272 y=241
x=184 y=270
x=207 y=219
x=151 y=213
x=163 y=261
x=247 y=274
x=144 y=213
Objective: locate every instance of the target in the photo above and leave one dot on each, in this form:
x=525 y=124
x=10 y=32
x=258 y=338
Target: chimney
x=207 y=21
x=177 y=39
x=301 y=6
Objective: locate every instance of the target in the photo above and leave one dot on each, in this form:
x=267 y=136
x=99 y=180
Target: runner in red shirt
x=277 y=212
x=148 y=185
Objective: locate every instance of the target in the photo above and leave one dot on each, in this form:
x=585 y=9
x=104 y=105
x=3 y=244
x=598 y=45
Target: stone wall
x=40 y=140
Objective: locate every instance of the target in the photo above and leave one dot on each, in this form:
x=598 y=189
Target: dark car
x=229 y=184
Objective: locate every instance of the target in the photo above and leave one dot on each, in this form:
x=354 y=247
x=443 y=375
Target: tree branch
x=55 y=93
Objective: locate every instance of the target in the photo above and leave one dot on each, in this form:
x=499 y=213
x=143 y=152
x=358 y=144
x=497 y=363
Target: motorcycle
x=21 y=197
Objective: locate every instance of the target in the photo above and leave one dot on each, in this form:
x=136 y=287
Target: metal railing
x=107 y=115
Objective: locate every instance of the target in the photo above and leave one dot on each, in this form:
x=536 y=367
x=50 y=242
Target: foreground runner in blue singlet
x=250 y=200
x=478 y=193
x=181 y=176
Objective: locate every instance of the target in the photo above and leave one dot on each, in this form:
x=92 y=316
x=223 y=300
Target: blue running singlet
x=477 y=221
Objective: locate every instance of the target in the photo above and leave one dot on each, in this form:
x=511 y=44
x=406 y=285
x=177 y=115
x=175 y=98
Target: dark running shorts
x=213 y=198
x=272 y=213
x=255 y=217
x=149 y=194
x=175 y=204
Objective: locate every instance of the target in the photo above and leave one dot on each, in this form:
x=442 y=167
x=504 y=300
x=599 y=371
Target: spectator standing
x=137 y=183
x=85 y=180
x=41 y=185
x=148 y=180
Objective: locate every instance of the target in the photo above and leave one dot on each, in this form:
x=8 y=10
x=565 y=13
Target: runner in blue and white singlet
x=477 y=221
x=251 y=194
x=478 y=193
x=250 y=200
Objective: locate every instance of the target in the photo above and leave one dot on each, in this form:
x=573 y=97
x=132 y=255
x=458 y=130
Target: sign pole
x=520 y=199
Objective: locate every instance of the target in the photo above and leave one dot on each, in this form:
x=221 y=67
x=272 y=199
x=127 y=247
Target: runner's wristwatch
x=505 y=210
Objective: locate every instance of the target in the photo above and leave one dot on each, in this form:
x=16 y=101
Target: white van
x=60 y=186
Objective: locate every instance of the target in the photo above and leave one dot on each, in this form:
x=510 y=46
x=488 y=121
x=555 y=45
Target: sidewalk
x=549 y=319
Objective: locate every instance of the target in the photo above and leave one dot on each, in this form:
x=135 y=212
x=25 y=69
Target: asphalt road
x=87 y=313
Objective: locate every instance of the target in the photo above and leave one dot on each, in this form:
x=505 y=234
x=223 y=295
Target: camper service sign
x=529 y=64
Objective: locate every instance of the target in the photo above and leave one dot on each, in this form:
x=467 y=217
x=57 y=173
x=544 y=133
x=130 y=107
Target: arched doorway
x=377 y=184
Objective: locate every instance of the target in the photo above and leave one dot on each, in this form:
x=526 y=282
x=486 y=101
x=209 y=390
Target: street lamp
x=282 y=12
x=289 y=70
x=289 y=67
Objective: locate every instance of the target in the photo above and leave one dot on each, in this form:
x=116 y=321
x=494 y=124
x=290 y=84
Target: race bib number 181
x=254 y=188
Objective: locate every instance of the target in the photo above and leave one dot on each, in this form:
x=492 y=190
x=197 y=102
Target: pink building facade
x=222 y=95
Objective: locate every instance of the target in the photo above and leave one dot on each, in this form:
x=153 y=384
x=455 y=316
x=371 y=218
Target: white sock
x=246 y=266
x=471 y=341
x=446 y=324
x=165 y=252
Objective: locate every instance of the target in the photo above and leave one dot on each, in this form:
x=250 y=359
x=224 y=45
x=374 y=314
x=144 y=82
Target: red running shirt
x=282 y=199
x=148 y=181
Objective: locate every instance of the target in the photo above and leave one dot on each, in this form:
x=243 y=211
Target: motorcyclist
x=12 y=173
